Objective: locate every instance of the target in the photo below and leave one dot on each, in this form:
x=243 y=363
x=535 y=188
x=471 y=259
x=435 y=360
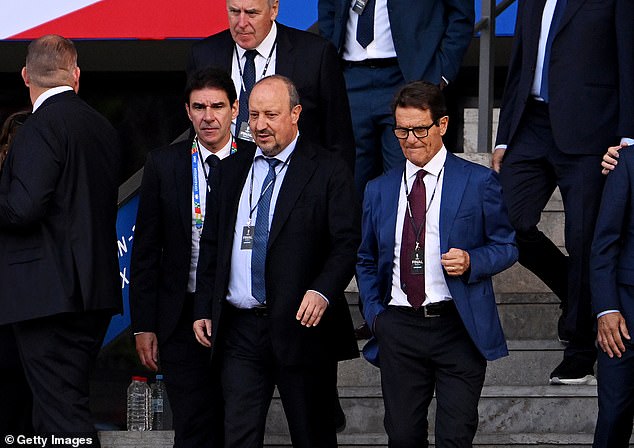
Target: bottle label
x=157 y=405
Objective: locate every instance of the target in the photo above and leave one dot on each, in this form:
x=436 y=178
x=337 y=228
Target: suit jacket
x=430 y=37
x=58 y=209
x=312 y=64
x=161 y=253
x=472 y=218
x=312 y=244
x=591 y=74
x=612 y=255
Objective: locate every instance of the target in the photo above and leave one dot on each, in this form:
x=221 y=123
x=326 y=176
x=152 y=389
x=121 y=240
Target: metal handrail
x=486 y=28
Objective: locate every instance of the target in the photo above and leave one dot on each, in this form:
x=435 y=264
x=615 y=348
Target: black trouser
x=533 y=167
x=419 y=355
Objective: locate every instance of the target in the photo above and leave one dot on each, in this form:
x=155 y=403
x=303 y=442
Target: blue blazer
x=612 y=255
x=473 y=218
x=430 y=37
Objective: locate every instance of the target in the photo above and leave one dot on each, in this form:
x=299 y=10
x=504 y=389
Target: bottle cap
x=139 y=378
x=159 y=377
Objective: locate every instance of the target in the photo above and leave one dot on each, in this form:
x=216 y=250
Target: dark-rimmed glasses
x=418 y=131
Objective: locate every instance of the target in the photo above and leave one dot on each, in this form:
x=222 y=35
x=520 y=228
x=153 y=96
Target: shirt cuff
x=501 y=146
x=321 y=295
x=603 y=313
x=627 y=141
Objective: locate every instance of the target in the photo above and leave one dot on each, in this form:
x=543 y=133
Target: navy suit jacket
x=58 y=210
x=312 y=64
x=430 y=37
x=591 y=74
x=473 y=218
x=312 y=242
x=612 y=256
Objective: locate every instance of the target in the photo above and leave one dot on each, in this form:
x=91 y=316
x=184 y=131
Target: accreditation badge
x=247 y=238
x=417 y=266
x=359 y=6
x=245 y=132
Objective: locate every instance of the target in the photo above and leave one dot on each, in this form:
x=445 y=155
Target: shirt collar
x=223 y=152
x=264 y=49
x=49 y=93
x=283 y=156
x=433 y=167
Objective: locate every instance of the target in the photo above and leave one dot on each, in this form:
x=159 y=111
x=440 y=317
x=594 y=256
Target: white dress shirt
x=49 y=93
x=381 y=47
x=547 y=18
x=436 y=289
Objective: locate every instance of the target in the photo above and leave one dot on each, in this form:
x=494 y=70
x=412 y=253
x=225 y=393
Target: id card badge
x=359 y=6
x=417 y=266
x=245 y=132
x=247 y=238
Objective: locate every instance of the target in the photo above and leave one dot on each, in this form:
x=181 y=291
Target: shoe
x=572 y=372
x=363 y=331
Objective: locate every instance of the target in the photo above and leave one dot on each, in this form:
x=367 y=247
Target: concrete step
x=503 y=410
x=529 y=364
x=165 y=439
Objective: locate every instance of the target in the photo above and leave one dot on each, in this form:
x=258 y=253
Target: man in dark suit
x=569 y=96
x=383 y=44
x=58 y=207
x=173 y=199
x=276 y=255
x=434 y=233
x=612 y=285
x=256 y=46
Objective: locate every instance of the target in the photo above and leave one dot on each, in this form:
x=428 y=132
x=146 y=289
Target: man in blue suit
x=434 y=233
x=384 y=44
x=612 y=285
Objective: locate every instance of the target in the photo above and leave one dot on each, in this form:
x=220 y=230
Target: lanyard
x=418 y=229
x=266 y=65
x=197 y=155
x=264 y=190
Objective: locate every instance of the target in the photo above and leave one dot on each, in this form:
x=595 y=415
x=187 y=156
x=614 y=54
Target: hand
x=496 y=159
x=147 y=349
x=610 y=159
x=456 y=262
x=202 y=330
x=610 y=328
x=311 y=309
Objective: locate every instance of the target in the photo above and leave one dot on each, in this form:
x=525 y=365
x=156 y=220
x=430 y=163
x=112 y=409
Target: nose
x=243 y=20
x=411 y=138
x=209 y=115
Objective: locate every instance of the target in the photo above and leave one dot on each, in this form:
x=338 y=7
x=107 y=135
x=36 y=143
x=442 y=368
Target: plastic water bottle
x=138 y=404
x=158 y=404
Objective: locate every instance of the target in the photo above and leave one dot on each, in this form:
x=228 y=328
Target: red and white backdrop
x=130 y=19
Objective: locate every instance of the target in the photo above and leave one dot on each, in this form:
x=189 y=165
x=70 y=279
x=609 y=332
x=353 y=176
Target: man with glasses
x=434 y=232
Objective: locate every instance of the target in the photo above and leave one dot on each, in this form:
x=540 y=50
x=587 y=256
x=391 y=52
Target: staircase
x=518 y=408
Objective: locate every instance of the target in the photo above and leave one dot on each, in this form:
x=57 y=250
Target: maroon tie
x=413 y=284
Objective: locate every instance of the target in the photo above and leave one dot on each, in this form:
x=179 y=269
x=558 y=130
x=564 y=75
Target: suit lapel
x=571 y=9
x=225 y=53
x=183 y=181
x=284 y=53
x=534 y=25
x=453 y=187
x=300 y=170
x=389 y=197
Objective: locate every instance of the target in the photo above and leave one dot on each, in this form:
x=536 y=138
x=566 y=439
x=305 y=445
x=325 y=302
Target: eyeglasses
x=418 y=131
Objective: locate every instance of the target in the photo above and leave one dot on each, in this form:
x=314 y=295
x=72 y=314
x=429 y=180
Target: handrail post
x=486 y=73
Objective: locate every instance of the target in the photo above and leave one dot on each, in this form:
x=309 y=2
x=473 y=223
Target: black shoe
x=363 y=331
x=573 y=372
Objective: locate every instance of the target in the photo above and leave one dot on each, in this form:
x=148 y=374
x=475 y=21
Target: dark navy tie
x=554 y=27
x=261 y=235
x=248 y=79
x=365 y=26
x=212 y=162
x=413 y=285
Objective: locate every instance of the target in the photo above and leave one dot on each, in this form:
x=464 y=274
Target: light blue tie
x=261 y=234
